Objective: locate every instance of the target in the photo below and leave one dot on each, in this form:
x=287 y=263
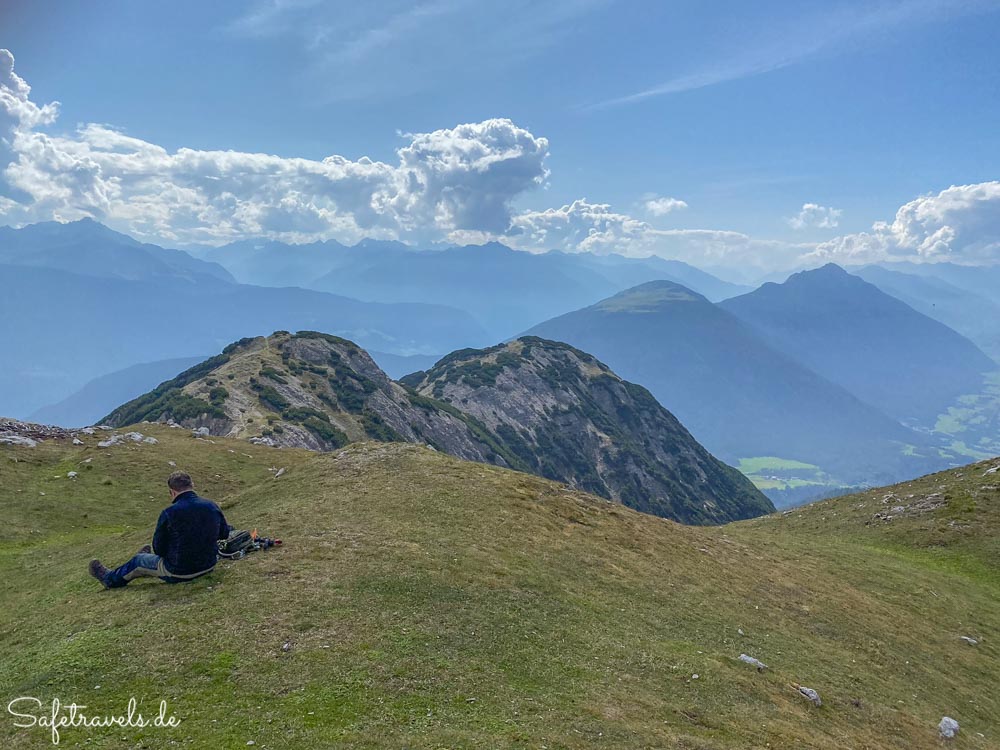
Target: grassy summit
x=429 y=602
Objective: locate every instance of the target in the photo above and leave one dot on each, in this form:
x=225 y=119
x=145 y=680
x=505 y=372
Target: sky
x=741 y=137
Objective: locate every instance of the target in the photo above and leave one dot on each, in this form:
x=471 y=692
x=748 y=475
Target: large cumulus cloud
x=451 y=180
x=959 y=224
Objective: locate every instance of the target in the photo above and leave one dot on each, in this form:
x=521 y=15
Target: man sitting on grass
x=184 y=544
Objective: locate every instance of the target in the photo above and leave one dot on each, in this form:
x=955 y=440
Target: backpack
x=241 y=543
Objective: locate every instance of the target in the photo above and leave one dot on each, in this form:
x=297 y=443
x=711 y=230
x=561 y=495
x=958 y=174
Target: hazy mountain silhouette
x=874 y=345
x=739 y=396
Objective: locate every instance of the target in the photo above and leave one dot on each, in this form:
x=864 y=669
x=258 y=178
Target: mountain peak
x=652 y=296
x=829 y=275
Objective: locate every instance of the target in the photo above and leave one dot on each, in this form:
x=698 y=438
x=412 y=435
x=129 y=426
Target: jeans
x=146 y=565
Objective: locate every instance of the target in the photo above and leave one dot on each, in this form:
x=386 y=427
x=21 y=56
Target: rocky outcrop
x=568 y=417
x=532 y=405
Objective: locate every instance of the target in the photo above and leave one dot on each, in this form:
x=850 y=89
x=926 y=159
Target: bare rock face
x=567 y=416
x=533 y=405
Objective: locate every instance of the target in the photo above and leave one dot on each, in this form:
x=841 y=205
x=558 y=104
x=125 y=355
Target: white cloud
x=457 y=179
x=815 y=216
x=663 y=206
x=792 y=37
x=594 y=227
x=17 y=108
x=960 y=224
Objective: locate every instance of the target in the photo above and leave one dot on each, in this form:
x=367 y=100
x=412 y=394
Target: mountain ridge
x=565 y=416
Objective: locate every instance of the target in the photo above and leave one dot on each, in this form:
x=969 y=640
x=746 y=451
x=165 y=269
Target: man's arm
x=223 y=526
x=161 y=536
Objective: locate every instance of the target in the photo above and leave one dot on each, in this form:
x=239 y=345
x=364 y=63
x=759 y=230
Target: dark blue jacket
x=187 y=532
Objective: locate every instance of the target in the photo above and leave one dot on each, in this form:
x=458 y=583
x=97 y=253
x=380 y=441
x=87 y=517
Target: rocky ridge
x=532 y=405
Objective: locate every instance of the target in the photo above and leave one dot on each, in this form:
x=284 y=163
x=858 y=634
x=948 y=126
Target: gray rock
x=88 y=430
x=747 y=659
x=201 y=432
x=77 y=441
x=27 y=442
x=948 y=728
x=150 y=440
x=263 y=441
x=71 y=474
x=810 y=694
x=967 y=639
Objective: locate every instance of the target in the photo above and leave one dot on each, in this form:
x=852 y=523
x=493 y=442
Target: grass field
x=774 y=473
x=425 y=602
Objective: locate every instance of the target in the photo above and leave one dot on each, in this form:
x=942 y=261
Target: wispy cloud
x=804 y=37
x=372 y=49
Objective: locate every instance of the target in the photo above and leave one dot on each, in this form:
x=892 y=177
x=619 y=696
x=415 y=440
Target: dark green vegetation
x=737 y=395
x=567 y=417
x=303 y=381
x=169 y=399
x=879 y=348
x=429 y=602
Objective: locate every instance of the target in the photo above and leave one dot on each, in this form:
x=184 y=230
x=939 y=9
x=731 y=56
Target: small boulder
x=809 y=694
x=77 y=441
x=747 y=659
x=71 y=474
x=150 y=440
x=967 y=639
x=201 y=432
x=27 y=442
x=948 y=728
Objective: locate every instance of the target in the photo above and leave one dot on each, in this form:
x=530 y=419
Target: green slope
x=431 y=603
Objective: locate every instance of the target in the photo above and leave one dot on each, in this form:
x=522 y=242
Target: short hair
x=179 y=481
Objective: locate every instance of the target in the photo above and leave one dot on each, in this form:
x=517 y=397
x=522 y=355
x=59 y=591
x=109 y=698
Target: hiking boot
x=145 y=550
x=99 y=572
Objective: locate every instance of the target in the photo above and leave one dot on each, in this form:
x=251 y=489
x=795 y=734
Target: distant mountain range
x=88 y=248
x=506 y=290
x=806 y=383
x=533 y=405
x=82 y=301
x=877 y=347
x=741 y=397
x=975 y=316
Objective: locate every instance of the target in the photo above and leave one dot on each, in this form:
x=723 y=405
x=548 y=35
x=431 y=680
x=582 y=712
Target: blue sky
x=742 y=111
